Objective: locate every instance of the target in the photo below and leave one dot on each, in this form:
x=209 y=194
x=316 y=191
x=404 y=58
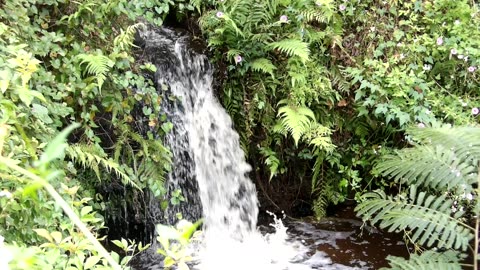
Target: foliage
x=436 y=208
x=426 y=260
x=174 y=243
x=63 y=62
x=358 y=72
x=418 y=69
x=71 y=251
x=268 y=47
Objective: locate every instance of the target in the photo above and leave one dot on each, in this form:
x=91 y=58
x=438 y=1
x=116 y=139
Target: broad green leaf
x=56 y=147
x=44 y=233
x=4 y=85
x=41 y=112
x=91 y=262
x=85 y=210
x=119 y=244
x=57 y=236
x=168 y=261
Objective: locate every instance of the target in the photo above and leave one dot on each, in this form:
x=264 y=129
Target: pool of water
x=338 y=242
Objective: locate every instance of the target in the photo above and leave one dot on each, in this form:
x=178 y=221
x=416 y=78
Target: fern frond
x=319 y=136
x=338 y=80
x=148 y=171
x=215 y=41
x=261 y=37
x=464 y=141
x=446 y=161
x=97 y=65
x=297 y=78
x=197 y=4
x=427 y=216
x=271 y=160
x=428 y=260
x=232 y=53
x=297 y=120
x=310 y=15
x=263 y=65
x=435 y=167
x=292 y=47
x=124 y=41
x=258 y=14
x=320 y=205
x=90 y=157
x=317 y=169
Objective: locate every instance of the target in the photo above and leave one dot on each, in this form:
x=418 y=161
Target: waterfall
x=206 y=150
x=208 y=164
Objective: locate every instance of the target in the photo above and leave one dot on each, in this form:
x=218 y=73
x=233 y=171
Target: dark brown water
x=344 y=242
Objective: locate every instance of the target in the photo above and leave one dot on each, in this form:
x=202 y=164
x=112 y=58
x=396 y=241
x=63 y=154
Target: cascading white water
x=204 y=138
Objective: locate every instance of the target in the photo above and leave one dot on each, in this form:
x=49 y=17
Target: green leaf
x=85 y=210
x=41 y=112
x=56 y=147
x=44 y=233
x=168 y=261
x=91 y=261
x=119 y=244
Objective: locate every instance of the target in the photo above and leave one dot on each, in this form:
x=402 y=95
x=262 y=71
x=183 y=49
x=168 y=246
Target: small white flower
x=457 y=22
x=402 y=56
x=469 y=196
x=460 y=56
x=427 y=67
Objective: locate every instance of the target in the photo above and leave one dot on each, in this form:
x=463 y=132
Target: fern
x=296 y=120
x=197 y=4
x=317 y=169
x=258 y=14
x=428 y=260
x=319 y=136
x=443 y=164
x=442 y=169
x=97 y=65
x=461 y=140
x=232 y=53
x=320 y=204
x=428 y=216
x=271 y=160
x=90 y=157
x=124 y=41
x=292 y=47
x=338 y=80
x=447 y=162
x=263 y=65
x=315 y=15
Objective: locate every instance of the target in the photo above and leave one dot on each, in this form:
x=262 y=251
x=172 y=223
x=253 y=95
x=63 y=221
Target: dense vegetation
x=322 y=92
